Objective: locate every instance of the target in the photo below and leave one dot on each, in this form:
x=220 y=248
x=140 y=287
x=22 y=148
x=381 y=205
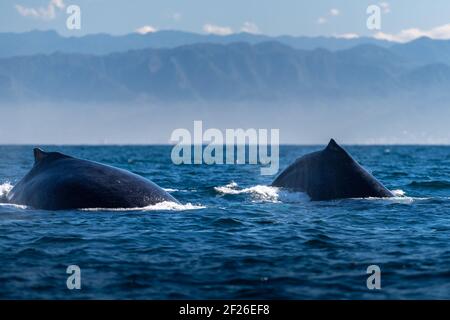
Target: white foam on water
x=11 y=205
x=4 y=189
x=405 y=200
x=398 y=193
x=274 y=194
x=228 y=189
x=168 y=205
x=399 y=197
x=263 y=193
x=171 y=190
x=161 y=206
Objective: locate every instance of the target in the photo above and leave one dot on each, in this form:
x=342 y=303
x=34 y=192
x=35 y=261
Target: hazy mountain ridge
x=187 y=72
x=47 y=42
x=237 y=71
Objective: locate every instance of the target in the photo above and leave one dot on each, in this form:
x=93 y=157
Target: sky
x=401 y=20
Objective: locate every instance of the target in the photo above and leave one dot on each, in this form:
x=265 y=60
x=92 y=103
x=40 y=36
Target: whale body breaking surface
x=61 y=182
x=331 y=174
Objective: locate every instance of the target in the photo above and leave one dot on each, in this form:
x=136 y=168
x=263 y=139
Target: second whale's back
x=330 y=174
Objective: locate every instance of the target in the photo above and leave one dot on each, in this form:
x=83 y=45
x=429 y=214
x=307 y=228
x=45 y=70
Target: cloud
x=45 y=13
x=247 y=26
x=332 y=13
x=218 y=30
x=347 y=36
x=58 y=3
x=440 y=32
x=177 y=16
x=385 y=7
x=321 y=20
x=250 y=27
x=146 y=29
x=29 y=12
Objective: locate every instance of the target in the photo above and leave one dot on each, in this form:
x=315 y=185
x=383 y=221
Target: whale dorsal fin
x=335 y=148
x=39 y=155
x=332 y=145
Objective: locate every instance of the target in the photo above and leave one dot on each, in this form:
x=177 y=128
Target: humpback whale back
x=330 y=174
x=58 y=181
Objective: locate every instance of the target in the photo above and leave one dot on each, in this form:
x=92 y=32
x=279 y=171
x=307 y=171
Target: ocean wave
x=434 y=184
x=263 y=193
x=161 y=206
x=227 y=221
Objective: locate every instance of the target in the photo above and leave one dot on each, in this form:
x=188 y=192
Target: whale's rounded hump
x=331 y=174
x=61 y=182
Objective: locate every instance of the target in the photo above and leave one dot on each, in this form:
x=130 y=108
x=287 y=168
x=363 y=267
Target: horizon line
x=130 y=144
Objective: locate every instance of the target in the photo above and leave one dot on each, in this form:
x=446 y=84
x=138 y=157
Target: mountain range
x=46 y=42
x=237 y=71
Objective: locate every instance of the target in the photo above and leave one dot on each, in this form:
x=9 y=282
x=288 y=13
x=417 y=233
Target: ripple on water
x=227 y=222
x=434 y=184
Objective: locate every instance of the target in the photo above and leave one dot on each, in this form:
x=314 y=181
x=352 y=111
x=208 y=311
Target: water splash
x=172 y=190
x=5 y=188
x=263 y=193
x=162 y=206
x=399 y=197
x=398 y=193
x=12 y=205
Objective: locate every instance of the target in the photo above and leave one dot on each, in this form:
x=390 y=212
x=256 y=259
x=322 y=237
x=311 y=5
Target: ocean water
x=234 y=237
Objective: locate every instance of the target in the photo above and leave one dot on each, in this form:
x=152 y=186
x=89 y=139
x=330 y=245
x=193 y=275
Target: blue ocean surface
x=234 y=237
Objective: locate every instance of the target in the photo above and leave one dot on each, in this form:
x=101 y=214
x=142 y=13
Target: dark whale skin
x=61 y=182
x=330 y=174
